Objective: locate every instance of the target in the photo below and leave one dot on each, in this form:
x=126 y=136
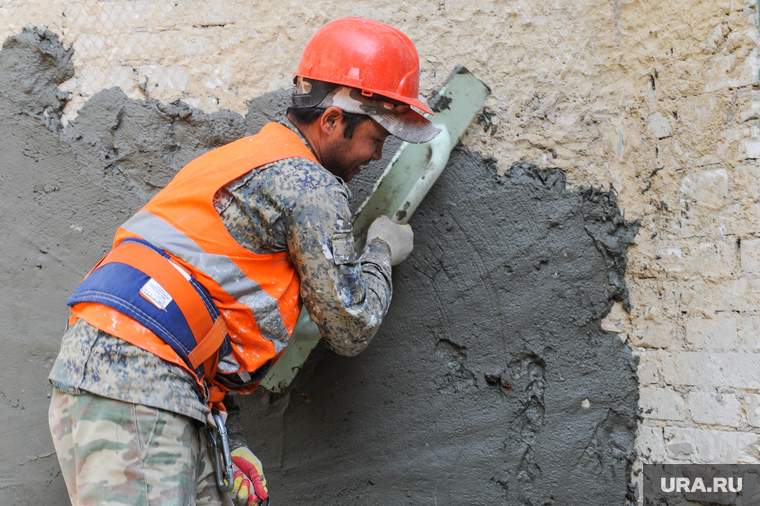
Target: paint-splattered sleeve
x=347 y=295
x=296 y=205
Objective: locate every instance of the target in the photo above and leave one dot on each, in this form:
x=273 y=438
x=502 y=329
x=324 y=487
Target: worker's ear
x=331 y=121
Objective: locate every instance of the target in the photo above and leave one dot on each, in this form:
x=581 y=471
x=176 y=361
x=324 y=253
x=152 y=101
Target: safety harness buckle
x=219 y=446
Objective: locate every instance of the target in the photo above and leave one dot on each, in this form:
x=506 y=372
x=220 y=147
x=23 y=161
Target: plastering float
x=397 y=193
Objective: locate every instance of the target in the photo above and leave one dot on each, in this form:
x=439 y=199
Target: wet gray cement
x=471 y=393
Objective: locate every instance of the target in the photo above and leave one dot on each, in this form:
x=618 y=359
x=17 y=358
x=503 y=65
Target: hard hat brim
x=399 y=119
x=410 y=127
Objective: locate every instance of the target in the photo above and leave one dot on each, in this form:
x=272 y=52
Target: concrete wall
x=655 y=101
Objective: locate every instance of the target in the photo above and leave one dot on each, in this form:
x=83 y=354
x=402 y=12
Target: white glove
x=400 y=238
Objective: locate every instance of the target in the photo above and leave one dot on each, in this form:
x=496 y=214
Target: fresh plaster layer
x=491 y=381
x=491 y=378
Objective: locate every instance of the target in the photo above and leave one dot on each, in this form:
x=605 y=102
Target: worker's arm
x=346 y=295
x=295 y=205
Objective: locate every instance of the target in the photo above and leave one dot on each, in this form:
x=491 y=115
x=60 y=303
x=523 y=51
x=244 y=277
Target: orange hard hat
x=367 y=55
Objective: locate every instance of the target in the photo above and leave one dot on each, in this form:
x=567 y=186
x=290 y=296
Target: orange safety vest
x=257 y=294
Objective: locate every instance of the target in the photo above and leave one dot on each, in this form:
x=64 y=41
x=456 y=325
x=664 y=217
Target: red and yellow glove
x=250 y=486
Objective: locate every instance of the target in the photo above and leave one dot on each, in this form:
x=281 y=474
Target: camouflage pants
x=115 y=453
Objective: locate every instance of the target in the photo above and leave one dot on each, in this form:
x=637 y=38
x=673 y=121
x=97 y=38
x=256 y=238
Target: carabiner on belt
x=217 y=436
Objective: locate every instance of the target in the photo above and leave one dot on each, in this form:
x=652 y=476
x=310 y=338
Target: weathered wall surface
x=494 y=338
x=657 y=100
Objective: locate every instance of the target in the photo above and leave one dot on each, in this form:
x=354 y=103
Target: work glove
x=250 y=486
x=399 y=238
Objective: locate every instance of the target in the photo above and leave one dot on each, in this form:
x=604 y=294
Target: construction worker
x=204 y=285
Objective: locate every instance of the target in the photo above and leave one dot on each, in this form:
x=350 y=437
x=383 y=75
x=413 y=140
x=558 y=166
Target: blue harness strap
x=119 y=285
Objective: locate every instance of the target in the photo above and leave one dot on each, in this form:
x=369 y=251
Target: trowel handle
x=438 y=157
x=305 y=329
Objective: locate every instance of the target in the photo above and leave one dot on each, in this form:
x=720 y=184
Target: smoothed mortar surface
x=472 y=391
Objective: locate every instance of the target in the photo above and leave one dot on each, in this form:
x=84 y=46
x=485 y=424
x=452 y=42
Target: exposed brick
x=753 y=409
x=113 y=75
x=735 y=370
x=164 y=83
x=742 y=217
x=659 y=126
x=88 y=47
x=650 y=442
x=749 y=333
x=659 y=335
x=713 y=259
x=747 y=174
x=670 y=257
x=702 y=446
x=711 y=408
x=708 y=188
x=650 y=364
x=691 y=255
x=750 y=255
x=128 y=16
x=16 y=15
x=662 y=404
x=716 y=333
x=742 y=294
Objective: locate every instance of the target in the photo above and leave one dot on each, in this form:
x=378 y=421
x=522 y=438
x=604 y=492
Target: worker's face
x=345 y=157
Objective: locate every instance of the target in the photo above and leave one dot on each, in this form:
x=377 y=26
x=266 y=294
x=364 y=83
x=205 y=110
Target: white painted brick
x=711 y=408
x=94 y=79
x=735 y=370
x=750 y=255
x=715 y=333
x=212 y=12
x=753 y=148
x=88 y=47
x=742 y=218
x=741 y=294
x=14 y=16
x=659 y=126
x=749 y=333
x=747 y=174
x=670 y=257
x=656 y=328
x=708 y=188
x=753 y=409
x=712 y=259
x=650 y=364
x=701 y=446
x=733 y=218
x=616 y=319
x=118 y=16
x=662 y=404
x=164 y=83
x=650 y=443
x=659 y=335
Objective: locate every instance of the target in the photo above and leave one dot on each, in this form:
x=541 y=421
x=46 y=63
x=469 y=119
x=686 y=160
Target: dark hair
x=308 y=115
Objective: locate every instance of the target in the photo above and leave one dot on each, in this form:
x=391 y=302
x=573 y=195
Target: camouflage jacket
x=292 y=205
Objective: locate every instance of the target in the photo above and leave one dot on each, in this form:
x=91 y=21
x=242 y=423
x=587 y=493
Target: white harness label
x=156 y=294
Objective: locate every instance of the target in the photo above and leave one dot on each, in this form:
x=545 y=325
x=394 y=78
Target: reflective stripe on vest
x=256 y=294
x=220 y=268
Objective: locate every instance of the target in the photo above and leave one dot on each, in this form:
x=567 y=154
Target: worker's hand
x=400 y=238
x=250 y=486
